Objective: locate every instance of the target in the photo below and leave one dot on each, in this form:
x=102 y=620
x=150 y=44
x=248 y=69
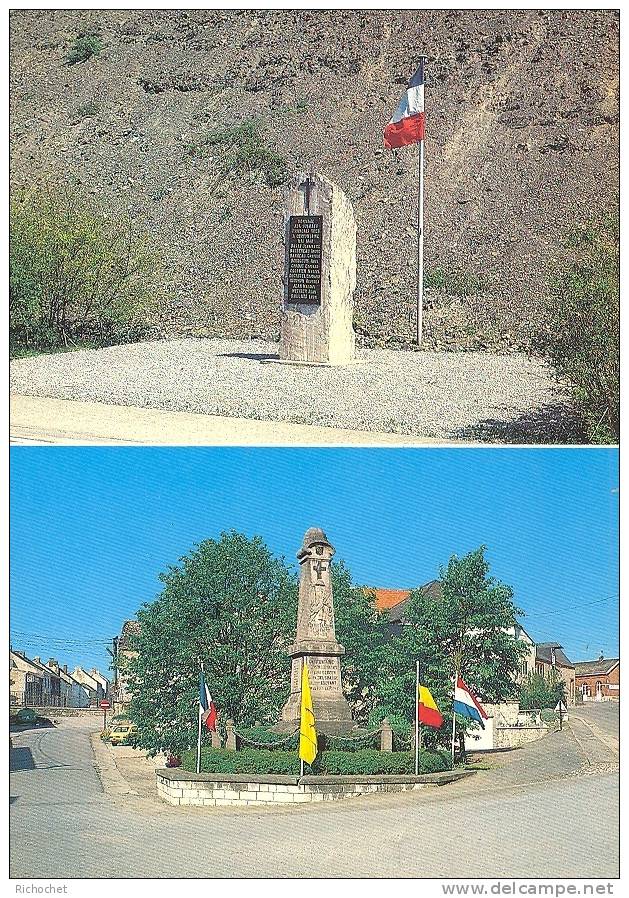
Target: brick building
x=598 y=681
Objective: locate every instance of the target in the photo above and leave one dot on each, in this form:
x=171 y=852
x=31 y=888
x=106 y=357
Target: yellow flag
x=307 y=731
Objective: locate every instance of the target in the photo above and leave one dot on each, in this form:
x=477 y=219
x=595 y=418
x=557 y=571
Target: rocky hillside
x=522 y=144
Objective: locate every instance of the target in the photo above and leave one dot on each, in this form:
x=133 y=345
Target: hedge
x=261 y=734
x=364 y=762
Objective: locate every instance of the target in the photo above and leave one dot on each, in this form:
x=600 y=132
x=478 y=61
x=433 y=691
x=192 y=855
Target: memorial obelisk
x=315 y=642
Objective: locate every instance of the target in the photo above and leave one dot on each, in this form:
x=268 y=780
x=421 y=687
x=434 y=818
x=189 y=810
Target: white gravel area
x=447 y=395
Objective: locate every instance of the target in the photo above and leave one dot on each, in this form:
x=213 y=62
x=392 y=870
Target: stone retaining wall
x=183 y=788
x=514 y=737
x=60 y=711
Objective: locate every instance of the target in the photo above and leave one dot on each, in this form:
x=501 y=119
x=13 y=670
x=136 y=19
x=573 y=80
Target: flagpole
x=199 y=729
x=301 y=690
x=420 y=229
x=456 y=677
x=417 y=719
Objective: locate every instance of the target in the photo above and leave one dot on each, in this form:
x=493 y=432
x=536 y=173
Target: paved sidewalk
x=37 y=420
x=133 y=767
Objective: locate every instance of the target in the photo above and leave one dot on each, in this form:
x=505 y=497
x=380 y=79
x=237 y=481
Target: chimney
x=53 y=664
x=37 y=659
x=65 y=668
x=601 y=657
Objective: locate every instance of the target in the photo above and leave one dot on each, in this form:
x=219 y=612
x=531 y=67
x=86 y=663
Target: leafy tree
x=540 y=692
x=463 y=626
x=364 y=633
x=230 y=604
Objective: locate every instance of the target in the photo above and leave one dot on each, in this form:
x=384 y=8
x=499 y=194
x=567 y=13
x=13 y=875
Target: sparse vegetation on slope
x=84 y=47
x=522 y=140
x=242 y=150
x=76 y=276
x=581 y=331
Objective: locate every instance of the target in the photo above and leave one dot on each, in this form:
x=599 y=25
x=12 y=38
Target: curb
x=113 y=782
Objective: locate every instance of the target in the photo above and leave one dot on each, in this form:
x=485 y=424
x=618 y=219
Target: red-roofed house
x=599 y=680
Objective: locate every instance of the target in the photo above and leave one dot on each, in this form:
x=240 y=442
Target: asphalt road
x=604 y=715
x=525 y=824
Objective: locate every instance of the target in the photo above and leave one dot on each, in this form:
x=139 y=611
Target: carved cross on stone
x=307 y=196
x=319 y=567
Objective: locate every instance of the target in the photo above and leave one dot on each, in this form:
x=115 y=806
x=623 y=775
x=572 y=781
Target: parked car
x=124 y=734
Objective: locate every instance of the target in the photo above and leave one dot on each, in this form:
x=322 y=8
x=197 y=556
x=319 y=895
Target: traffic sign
x=105 y=704
x=560 y=707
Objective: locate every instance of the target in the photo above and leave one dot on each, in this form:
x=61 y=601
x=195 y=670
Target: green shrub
x=261 y=734
x=243 y=150
x=254 y=737
x=580 y=334
x=363 y=762
x=84 y=47
x=549 y=716
x=75 y=276
x=88 y=110
x=541 y=692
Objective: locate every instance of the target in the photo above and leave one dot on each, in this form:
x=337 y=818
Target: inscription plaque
x=305 y=245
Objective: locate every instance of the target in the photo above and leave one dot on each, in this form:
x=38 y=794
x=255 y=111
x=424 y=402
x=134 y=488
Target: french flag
x=467 y=705
x=407 y=125
x=207 y=708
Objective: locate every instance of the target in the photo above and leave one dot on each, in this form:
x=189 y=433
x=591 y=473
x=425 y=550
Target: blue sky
x=92 y=527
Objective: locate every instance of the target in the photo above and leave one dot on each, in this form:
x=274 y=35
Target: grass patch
x=88 y=110
x=242 y=150
x=84 y=47
x=454 y=283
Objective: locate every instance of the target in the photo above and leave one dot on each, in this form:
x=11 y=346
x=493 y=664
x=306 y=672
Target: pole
x=417 y=719
x=456 y=676
x=420 y=246
x=199 y=728
x=420 y=230
x=104 y=718
x=301 y=696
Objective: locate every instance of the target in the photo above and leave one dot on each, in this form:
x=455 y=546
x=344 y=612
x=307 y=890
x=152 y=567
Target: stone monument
x=319 y=274
x=315 y=642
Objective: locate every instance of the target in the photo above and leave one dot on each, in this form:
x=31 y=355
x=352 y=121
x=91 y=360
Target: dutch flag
x=467 y=705
x=207 y=708
x=407 y=125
